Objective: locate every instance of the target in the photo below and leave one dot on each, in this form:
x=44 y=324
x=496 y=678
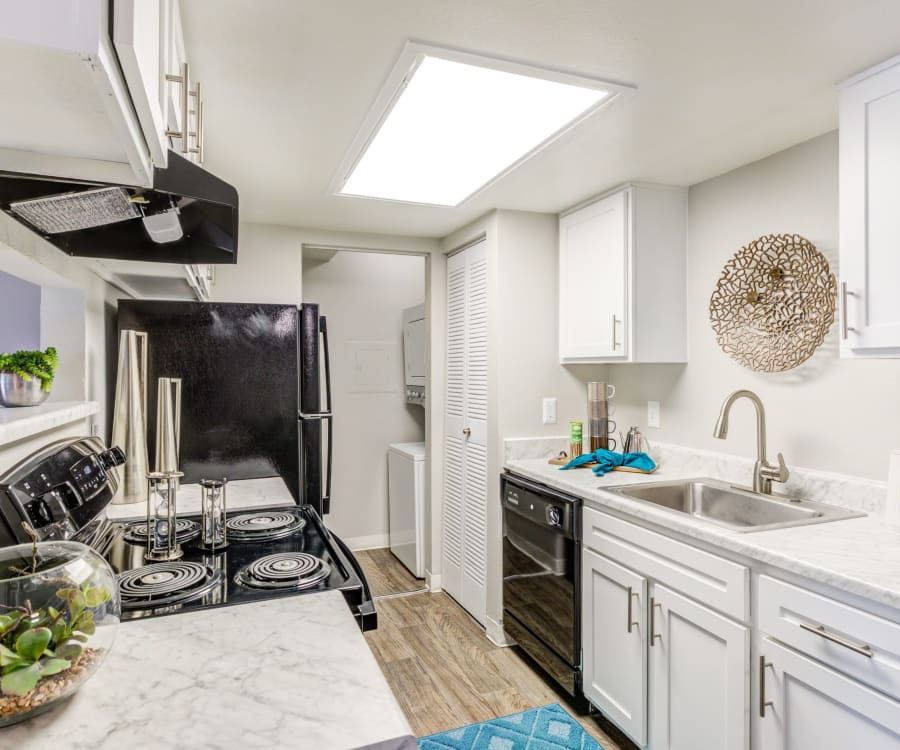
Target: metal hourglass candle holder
x=162 y=520
x=213 y=528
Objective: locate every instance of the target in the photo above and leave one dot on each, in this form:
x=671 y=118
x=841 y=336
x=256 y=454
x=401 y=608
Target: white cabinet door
x=699 y=676
x=465 y=422
x=593 y=269
x=614 y=634
x=869 y=219
x=813 y=707
x=139 y=36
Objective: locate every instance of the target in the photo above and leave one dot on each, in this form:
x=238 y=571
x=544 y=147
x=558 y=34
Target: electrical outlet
x=653 y=414
x=549 y=411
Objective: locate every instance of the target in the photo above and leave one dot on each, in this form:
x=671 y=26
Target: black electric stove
x=62 y=492
x=289 y=552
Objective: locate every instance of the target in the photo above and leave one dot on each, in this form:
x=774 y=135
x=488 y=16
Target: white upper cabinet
x=92 y=97
x=139 y=36
x=869 y=219
x=622 y=278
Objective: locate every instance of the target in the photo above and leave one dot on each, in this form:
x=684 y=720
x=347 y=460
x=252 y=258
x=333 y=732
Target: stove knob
x=554 y=516
x=115 y=456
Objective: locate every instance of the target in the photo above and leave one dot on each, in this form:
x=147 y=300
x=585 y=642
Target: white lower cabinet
x=668 y=671
x=614 y=604
x=805 y=705
x=699 y=676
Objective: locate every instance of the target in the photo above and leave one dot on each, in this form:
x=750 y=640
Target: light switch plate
x=549 y=411
x=653 y=414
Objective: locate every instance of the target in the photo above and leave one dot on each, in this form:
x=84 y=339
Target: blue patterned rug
x=546 y=728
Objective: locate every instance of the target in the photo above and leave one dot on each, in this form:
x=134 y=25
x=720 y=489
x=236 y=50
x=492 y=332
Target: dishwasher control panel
x=540 y=505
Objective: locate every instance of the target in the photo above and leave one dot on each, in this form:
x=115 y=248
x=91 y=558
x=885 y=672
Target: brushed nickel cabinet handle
x=631 y=622
x=653 y=635
x=198 y=134
x=184 y=133
x=820 y=630
x=615 y=322
x=844 y=294
x=763 y=703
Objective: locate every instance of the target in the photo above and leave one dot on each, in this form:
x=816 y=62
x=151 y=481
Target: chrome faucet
x=763 y=472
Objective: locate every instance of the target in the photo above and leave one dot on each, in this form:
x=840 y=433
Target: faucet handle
x=778 y=473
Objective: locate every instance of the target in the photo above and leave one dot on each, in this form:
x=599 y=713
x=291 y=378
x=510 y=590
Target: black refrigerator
x=256 y=389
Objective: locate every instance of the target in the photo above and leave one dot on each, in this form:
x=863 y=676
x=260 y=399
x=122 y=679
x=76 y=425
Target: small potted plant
x=59 y=608
x=26 y=377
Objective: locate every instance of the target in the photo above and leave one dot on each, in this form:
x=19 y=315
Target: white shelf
x=24 y=422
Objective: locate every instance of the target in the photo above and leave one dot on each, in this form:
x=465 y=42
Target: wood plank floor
x=446 y=673
x=386 y=574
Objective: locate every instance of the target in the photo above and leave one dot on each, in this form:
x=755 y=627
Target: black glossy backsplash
x=238 y=364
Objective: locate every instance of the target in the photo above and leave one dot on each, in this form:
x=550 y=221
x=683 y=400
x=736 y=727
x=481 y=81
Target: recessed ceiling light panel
x=448 y=124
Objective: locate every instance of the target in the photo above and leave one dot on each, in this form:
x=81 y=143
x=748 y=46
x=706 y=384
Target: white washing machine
x=406 y=504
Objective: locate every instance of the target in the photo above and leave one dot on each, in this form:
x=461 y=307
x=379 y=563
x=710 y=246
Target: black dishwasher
x=542 y=577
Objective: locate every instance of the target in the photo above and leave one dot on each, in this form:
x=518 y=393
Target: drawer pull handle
x=631 y=622
x=763 y=703
x=820 y=630
x=653 y=605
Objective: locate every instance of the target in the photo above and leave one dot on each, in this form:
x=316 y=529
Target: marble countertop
x=241 y=494
x=293 y=672
x=857 y=555
x=20 y=423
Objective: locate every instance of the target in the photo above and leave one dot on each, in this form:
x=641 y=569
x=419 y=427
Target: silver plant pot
x=17 y=392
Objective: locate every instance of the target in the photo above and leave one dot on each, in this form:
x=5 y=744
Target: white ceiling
x=721 y=83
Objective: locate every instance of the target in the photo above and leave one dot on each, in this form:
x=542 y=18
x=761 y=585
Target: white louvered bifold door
x=465 y=440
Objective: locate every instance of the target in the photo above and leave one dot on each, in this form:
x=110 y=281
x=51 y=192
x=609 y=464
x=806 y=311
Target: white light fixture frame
x=410 y=58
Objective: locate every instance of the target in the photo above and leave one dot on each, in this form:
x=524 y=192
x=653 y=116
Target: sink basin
x=734 y=508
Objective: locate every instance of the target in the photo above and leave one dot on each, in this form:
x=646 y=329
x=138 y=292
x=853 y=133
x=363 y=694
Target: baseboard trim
x=433 y=581
x=373 y=541
x=495 y=634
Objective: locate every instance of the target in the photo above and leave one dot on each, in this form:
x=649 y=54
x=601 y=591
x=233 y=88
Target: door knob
x=467 y=431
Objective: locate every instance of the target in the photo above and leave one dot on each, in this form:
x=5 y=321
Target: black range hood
x=188 y=216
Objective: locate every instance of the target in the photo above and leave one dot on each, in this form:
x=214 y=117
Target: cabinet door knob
x=467 y=432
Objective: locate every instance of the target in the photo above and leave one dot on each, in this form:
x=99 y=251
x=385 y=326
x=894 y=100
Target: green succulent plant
x=32 y=364
x=38 y=643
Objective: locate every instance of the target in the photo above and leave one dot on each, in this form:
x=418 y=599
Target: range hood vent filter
x=70 y=212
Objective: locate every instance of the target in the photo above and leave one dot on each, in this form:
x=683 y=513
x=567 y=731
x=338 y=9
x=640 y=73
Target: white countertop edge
x=865 y=534
x=19 y=423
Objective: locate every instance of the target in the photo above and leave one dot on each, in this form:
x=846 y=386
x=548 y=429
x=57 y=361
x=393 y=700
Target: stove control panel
x=58 y=490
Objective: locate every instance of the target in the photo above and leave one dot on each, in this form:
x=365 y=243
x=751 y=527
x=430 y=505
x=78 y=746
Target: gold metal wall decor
x=773 y=303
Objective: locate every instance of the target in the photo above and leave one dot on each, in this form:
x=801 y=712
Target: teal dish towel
x=607 y=460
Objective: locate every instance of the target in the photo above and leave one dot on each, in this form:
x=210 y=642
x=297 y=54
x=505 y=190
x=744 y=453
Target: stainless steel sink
x=732 y=507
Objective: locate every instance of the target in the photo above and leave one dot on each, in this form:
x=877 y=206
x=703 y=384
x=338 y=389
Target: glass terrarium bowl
x=59 y=608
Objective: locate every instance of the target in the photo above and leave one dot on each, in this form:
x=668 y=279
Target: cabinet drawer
x=857 y=643
x=718 y=583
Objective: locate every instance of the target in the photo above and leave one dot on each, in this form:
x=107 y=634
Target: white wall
x=831 y=414
x=79 y=304
x=269 y=267
x=20 y=314
x=363 y=296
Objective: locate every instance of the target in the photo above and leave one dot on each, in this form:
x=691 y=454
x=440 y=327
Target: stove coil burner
x=166 y=583
x=185 y=530
x=267 y=525
x=285 y=570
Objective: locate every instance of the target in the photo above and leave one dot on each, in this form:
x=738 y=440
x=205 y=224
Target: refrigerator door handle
x=316 y=415
x=327 y=415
